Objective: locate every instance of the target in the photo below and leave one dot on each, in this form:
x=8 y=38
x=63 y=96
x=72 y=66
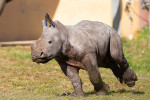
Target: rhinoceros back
x=90 y=36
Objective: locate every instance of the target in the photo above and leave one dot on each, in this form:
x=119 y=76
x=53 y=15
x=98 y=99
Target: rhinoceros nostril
x=42 y=53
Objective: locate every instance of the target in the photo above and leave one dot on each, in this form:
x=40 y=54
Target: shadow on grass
x=126 y=91
x=87 y=93
x=65 y=94
x=122 y=91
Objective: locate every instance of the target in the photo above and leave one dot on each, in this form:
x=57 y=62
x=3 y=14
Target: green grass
x=22 y=79
x=137 y=51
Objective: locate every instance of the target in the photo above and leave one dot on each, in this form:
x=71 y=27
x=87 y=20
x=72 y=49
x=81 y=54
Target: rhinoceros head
x=48 y=45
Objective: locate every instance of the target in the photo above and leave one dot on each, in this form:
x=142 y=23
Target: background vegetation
x=20 y=78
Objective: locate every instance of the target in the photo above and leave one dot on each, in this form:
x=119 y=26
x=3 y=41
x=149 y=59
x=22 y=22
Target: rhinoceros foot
x=129 y=77
x=104 y=90
x=77 y=93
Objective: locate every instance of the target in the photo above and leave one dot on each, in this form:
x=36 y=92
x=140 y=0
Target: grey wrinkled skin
x=86 y=45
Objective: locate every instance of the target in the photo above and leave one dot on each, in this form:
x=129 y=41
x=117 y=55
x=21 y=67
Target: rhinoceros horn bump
x=47 y=18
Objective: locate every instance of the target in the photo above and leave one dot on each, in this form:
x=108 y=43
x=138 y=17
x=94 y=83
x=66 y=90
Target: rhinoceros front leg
x=91 y=65
x=73 y=74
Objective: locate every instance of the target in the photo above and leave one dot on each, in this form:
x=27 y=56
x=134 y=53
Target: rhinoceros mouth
x=42 y=60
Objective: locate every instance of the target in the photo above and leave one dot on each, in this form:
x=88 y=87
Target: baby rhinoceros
x=86 y=45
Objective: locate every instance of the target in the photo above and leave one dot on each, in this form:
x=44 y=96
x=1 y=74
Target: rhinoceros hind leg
x=129 y=77
x=115 y=69
x=116 y=53
x=91 y=65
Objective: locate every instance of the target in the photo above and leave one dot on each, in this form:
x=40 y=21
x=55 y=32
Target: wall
x=130 y=27
x=73 y=11
x=21 y=19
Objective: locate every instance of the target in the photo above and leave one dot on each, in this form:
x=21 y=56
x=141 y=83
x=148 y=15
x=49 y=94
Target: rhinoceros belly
x=75 y=64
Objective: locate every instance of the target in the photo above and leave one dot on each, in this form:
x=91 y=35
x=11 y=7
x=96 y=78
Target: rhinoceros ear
x=44 y=23
x=47 y=18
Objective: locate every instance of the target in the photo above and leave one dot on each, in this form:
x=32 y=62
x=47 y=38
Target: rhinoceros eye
x=49 y=42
